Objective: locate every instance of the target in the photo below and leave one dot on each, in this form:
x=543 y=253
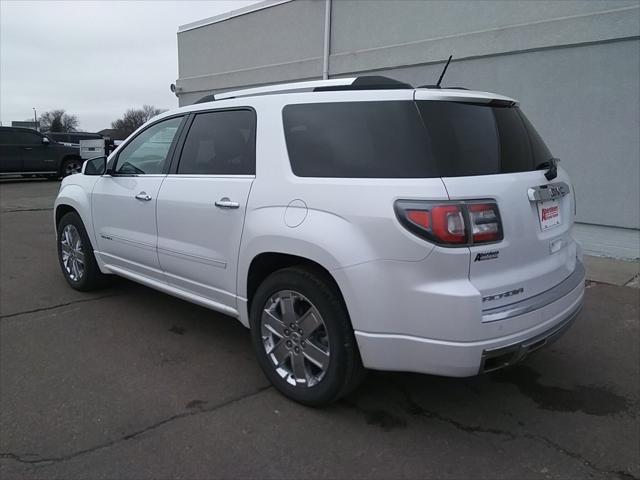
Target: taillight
x=455 y=223
x=485 y=222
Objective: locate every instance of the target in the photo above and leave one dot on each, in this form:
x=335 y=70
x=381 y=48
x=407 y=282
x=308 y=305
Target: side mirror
x=95 y=166
x=45 y=140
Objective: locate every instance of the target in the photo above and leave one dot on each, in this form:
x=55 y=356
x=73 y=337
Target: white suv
x=350 y=224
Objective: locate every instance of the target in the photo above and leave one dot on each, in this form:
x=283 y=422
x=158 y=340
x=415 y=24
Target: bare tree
x=135 y=117
x=58 y=121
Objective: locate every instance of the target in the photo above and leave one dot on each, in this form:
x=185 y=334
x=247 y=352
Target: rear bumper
x=388 y=351
x=497 y=358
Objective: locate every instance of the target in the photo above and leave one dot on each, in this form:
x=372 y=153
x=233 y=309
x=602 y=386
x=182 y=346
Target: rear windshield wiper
x=552 y=165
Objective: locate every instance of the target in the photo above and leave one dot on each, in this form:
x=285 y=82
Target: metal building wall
x=574 y=66
x=284 y=42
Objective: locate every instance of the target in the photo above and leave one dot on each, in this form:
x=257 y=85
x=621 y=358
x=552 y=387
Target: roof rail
x=207 y=98
x=284 y=87
x=443 y=88
x=334 y=84
x=367 y=82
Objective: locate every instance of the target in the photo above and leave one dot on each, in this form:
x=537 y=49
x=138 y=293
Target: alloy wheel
x=72 y=254
x=295 y=338
x=72 y=167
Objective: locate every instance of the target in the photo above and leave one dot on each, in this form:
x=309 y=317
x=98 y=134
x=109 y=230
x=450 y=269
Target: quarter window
x=220 y=143
x=147 y=152
x=357 y=140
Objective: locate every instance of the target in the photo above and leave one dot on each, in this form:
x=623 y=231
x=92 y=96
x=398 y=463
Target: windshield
x=403 y=139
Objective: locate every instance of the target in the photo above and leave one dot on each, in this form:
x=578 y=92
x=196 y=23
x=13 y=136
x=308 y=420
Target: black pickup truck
x=26 y=152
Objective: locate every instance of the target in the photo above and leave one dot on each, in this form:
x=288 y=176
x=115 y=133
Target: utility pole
x=35 y=119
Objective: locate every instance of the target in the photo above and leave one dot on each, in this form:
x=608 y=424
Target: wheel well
x=61 y=211
x=265 y=264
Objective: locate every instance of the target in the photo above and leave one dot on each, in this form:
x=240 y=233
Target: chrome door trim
x=197 y=258
x=40 y=172
x=127 y=241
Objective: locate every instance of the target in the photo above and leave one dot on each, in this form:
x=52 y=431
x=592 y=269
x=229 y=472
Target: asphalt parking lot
x=131 y=383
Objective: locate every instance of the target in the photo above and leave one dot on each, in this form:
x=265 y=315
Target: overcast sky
x=94 y=59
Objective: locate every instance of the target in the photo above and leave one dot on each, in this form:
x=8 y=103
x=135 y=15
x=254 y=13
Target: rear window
x=473 y=139
x=403 y=139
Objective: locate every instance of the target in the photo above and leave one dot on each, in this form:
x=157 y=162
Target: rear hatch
x=488 y=150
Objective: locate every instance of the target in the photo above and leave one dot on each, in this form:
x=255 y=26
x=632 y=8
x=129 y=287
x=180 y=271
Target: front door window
x=147 y=152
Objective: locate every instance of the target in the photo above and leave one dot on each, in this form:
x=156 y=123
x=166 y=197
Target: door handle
x=28 y=148
x=143 y=196
x=224 y=202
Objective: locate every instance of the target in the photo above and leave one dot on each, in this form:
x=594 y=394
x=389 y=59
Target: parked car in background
x=89 y=145
x=349 y=223
x=72 y=139
x=26 y=152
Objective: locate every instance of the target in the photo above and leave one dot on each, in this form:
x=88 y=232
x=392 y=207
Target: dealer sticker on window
x=549 y=214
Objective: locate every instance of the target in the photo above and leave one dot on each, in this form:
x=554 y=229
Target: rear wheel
x=303 y=337
x=70 y=166
x=75 y=255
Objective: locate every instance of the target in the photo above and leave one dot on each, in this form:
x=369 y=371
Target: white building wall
x=574 y=65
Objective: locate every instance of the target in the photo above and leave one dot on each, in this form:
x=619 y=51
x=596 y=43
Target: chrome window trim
x=206 y=175
x=538 y=301
x=116 y=175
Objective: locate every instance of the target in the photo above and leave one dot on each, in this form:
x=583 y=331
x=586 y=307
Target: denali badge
x=498 y=296
x=486 y=256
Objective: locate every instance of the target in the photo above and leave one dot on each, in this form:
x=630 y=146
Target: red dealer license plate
x=549 y=214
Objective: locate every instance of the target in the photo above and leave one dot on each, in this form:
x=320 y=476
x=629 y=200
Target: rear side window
x=357 y=139
x=220 y=143
x=404 y=139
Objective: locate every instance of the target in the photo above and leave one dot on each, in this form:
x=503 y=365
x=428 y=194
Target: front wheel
x=75 y=255
x=303 y=337
x=70 y=166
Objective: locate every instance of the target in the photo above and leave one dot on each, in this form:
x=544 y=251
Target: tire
x=330 y=340
x=70 y=166
x=83 y=277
